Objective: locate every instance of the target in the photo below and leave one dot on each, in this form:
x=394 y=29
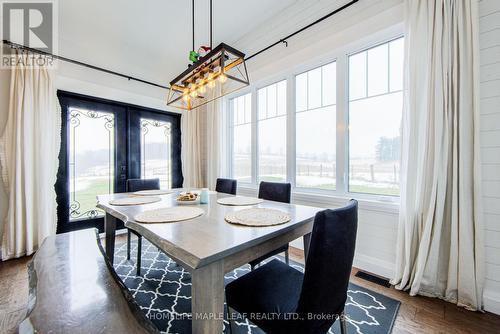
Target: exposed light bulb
x=211 y=84
x=202 y=89
x=222 y=78
x=185 y=98
x=193 y=93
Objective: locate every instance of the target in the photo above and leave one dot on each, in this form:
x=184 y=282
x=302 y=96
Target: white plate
x=196 y=201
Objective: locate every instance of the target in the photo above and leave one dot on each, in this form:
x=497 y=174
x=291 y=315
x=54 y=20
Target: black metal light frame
x=223 y=60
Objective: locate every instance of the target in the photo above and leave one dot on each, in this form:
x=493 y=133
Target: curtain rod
x=284 y=39
x=128 y=77
x=76 y=62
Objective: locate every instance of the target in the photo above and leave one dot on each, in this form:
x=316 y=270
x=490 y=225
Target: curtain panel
x=29 y=149
x=440 y=241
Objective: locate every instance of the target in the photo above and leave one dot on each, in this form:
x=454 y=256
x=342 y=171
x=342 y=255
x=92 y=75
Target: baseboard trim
x=374 y=265
x=491 y=301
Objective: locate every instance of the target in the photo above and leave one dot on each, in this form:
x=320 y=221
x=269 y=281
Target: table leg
x=110 y=230
x=307 y=242
x=207 y=301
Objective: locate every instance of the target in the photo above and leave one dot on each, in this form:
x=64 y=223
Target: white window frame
x=341 y=57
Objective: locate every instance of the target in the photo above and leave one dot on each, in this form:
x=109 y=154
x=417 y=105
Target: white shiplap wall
x=489 y=44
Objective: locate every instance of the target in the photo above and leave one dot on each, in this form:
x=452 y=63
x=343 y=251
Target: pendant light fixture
x=219 y=72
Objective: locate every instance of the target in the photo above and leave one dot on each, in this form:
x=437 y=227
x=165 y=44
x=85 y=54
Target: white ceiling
x=151 y=39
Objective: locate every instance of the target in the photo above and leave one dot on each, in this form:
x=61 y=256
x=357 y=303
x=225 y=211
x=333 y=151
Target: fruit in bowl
x=187 y=197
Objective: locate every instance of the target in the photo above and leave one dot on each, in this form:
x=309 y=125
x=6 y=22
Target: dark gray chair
x=278 y=192
x=227 y=186
x=278 y=289
x=134 y=185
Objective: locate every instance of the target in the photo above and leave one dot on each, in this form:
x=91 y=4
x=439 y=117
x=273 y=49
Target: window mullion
x=342 y=125
x=291 y=133
x=230 y=131
x=254 y=117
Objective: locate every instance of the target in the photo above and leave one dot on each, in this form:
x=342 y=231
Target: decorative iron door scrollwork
x=91 y=160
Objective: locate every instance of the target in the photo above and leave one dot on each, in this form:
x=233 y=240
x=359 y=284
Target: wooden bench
x=74 y=289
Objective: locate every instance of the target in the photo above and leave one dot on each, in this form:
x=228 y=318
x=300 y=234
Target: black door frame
x=127 y=151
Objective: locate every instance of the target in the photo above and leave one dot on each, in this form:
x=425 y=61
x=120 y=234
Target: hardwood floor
x=416 y=314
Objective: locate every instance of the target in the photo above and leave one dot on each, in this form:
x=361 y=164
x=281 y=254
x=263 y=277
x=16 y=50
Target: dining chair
x=308 y=302
x=227 y=186
x=278 y=192
x=134 y=185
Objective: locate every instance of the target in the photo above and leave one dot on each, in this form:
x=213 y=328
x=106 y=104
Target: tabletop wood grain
x=208 y=238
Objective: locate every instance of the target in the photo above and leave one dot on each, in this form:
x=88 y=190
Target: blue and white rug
x=164 y=294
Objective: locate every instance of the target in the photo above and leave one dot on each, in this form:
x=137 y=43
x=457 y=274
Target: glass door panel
x=156 y=151
x=105 y=143
x=91 y=160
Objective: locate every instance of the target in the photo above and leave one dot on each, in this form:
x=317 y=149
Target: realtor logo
x=29 y=23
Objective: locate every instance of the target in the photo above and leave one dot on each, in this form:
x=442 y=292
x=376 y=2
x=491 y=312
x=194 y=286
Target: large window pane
x=329 y=87
x=315 y=150
x=357 y=76
x=301 y=92
x=262 y=102
x=242 y=138
x=156 y=151
x=378 y=70
x=272 y=149
x=396 y=56
x=374 y=135
x=272 y=136
x=316 y=132
x=271 y=101
x=91 y=160
x=314 y=88
x=281 y=98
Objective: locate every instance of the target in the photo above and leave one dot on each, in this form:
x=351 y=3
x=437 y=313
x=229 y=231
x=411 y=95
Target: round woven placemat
x=239 y=200
x=134 y=200
x=152 y=192
x=258 y=217
x=169 y=215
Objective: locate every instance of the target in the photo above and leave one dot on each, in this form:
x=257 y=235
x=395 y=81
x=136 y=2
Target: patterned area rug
x=164 y=294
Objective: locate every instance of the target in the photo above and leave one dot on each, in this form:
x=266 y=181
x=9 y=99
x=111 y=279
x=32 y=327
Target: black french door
x=104 y=143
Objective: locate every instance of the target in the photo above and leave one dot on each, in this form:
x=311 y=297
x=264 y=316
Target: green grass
x=87 y=197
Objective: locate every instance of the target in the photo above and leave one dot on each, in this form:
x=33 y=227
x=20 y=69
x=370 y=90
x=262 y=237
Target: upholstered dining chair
x=227 y=186
x=309 y=302
x=278 y=192
x=134 y=185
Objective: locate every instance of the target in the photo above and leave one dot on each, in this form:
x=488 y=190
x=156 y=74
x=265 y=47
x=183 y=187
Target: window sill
x=329 y=200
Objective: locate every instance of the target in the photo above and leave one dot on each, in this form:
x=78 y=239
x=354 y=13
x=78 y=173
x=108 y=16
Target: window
x=375 y=109
x=271 y=103
x=91 y=143
x=104 y=143
x=156 y=150
x=315 y=93
x=241 y=108
x=345 y=123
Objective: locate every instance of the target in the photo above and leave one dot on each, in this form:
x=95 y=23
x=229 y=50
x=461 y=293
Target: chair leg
x=128 y=244
x=230 y=313
x=287 y=257
x=139 y=253
x=343 y=323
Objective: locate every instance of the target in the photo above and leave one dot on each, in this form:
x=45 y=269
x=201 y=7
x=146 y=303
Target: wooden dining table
x=208 y=246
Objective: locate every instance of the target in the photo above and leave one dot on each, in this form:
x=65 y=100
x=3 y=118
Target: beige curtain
x=440 y=242
x=29 y=149
x=214 y=142
x=192 y=124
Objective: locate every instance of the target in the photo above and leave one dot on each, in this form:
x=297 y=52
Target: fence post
x=371 y=173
